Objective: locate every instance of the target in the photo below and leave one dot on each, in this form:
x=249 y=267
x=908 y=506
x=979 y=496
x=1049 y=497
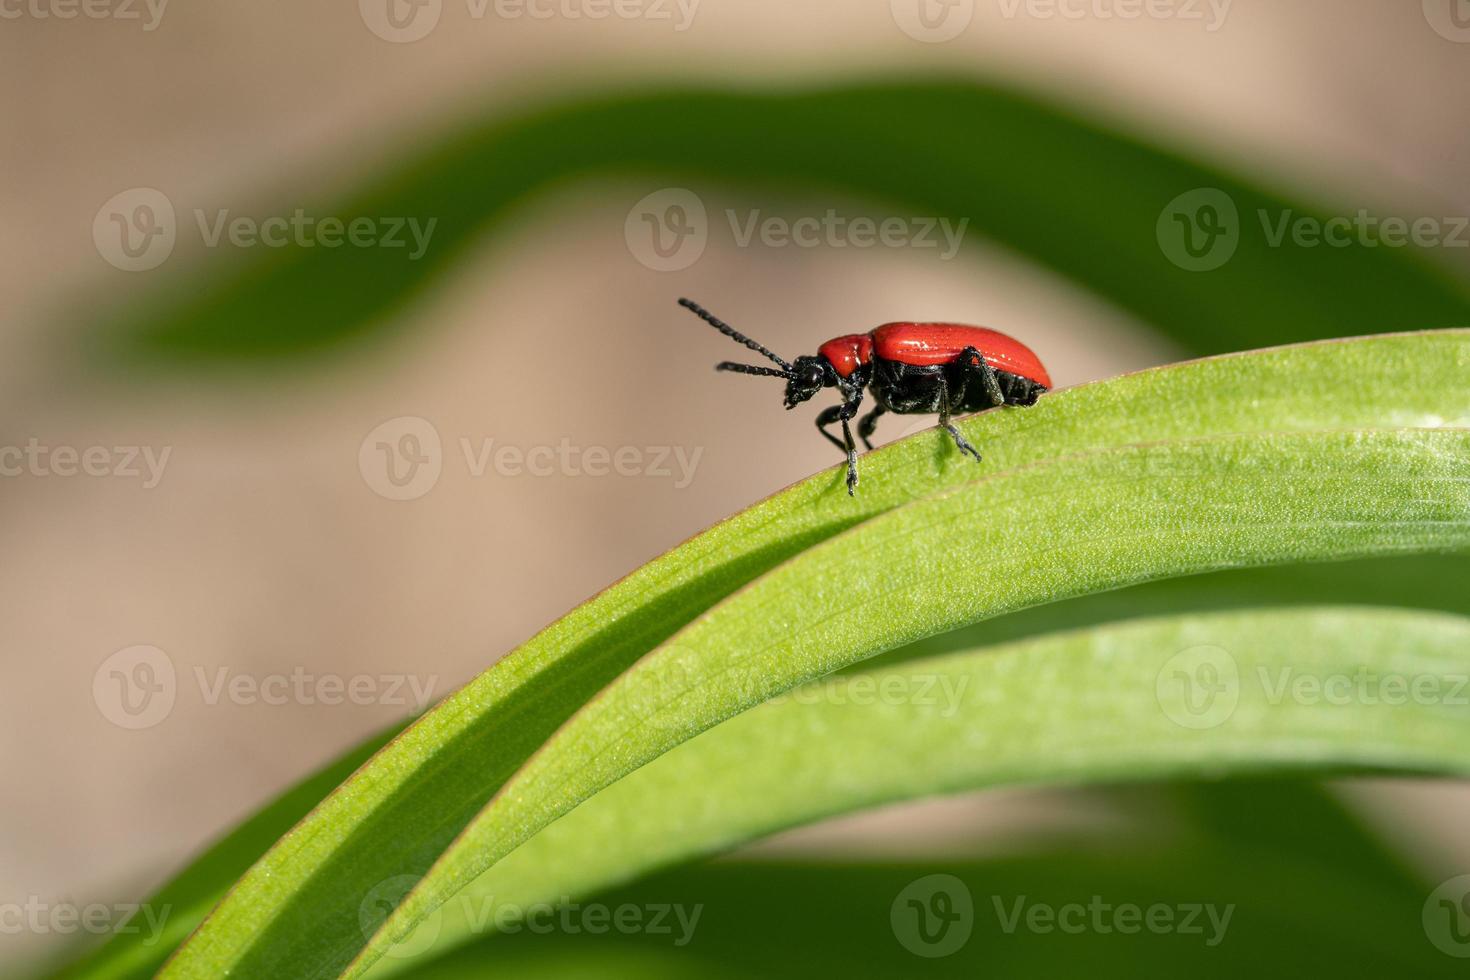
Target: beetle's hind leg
x=868 y=423
x=979 y=369
x=959 y=440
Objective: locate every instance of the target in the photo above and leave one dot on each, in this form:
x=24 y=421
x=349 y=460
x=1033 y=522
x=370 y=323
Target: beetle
x=911 y=369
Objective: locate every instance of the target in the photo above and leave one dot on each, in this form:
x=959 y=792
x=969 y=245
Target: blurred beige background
x=264 y=551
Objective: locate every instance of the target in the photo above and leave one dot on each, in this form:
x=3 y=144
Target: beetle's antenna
x=751 y=369
x=732 y=333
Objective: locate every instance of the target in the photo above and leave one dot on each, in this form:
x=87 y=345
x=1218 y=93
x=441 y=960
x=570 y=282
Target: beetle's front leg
x=843 y=413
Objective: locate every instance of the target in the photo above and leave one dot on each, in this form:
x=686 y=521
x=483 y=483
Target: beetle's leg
x=980 y=368
x=959 y=440
x=852 y=474
x=843 y=413
x=825 y=418
x=868 y=423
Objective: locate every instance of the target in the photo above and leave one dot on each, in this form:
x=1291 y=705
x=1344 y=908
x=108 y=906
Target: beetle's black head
x=808 y=376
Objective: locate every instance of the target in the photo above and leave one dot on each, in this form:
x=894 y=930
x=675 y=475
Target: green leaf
x=1421 y=581
x=1071 y=195
x=398 y=814
x=1311 y=386
x=1056 y=529
x=1087 y=706
x=1434 y=582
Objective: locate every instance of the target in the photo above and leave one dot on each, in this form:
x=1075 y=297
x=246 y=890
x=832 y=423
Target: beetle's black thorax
x=911 y=389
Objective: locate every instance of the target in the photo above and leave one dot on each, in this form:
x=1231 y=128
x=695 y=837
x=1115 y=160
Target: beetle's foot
x=963 y=444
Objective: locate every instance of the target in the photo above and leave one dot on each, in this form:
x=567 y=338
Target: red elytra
x=933 y=343
x=940 y=343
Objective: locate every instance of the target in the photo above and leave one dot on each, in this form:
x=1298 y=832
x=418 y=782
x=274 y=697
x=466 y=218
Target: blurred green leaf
x=1290 y=917
x=1078 y=197
x=1085 y=706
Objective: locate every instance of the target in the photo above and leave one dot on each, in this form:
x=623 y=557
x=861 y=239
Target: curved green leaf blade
x=301 y=900
x=1104 y=705
x=1430 y=582
x=1072 y=195
x=1057 y=529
